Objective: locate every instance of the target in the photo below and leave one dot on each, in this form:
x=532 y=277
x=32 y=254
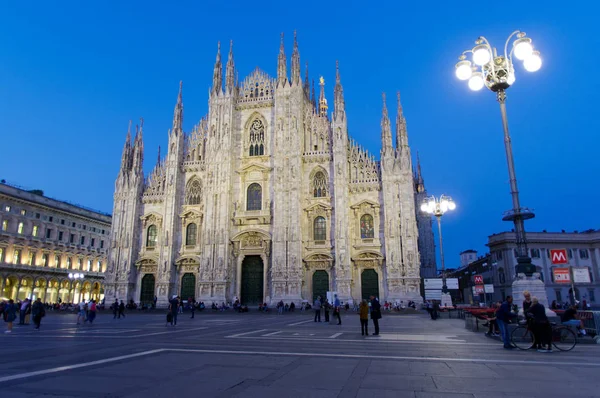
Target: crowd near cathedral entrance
x=252 y=280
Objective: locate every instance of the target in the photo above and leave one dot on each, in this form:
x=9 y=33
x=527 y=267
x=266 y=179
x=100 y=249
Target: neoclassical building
x=267 y=198
x=44 y=242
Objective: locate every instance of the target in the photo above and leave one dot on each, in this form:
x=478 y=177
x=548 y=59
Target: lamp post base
x=446 y=300
x=534 y=285
x=524 y=266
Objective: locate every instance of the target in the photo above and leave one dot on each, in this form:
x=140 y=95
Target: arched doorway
x=252 y=280
x=369 y=281
x=147 y=289
x=320 y=284
x=188 y=286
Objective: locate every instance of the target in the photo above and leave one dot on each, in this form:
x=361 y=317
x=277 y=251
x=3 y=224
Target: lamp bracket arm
x=516 y=32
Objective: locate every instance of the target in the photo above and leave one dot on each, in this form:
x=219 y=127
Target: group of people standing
x=25 y=309
x=373 y=306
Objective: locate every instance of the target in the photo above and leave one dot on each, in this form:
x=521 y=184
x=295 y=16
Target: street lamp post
x=497 y=73
x=438 y=207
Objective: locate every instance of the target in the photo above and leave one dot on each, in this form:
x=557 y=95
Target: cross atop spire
x=281 y=65
x=230 y=70
x=218 y=72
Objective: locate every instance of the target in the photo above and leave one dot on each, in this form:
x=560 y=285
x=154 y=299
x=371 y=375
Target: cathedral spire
x=386 y=131
x=158 y=159
x=126 y=158
x=218 y=72
x=306 y=83
x=340 y=109
x=401 y=134
x=295 y=78
x=230 y=71
x=178 y=112
x=281 y=65
x=419 y=180
x=313 y=98
x=138 y=149
x=322 y=100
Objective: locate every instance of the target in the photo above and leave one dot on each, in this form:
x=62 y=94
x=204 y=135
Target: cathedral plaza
x=227 y=354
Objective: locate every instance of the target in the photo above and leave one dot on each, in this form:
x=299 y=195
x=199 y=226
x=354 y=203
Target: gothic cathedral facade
x=266 y=199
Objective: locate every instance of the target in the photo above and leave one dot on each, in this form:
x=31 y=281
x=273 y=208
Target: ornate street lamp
x=438 y=207
x=497 y=73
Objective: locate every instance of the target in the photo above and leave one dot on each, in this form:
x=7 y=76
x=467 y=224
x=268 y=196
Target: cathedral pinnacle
x=420 y=183
x=230 y=71
x=401 y=134
x=138 y=149
x=218 y=72
x=306 y=83
x=281 y=65
x=295 y=78
x=178 y=112
x=322 y=100
x=386 y=132
x=313 y=98
x=126 y=158
x=338 y=94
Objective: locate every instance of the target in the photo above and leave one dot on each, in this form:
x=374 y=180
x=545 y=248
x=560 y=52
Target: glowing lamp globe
x=522 y=48
x=511 y=78
x=424 y=207
x=481 y=55
x=476 y=81
x=451 y=205
x=534 y=62
x=463 y=70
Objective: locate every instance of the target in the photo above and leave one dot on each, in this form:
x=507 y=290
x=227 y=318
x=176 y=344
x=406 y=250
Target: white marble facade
x=267 y=199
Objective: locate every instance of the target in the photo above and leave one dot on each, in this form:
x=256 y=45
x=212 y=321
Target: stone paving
x=270 y=355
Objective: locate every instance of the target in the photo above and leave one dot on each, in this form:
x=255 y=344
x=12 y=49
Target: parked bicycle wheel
x=563 y=338
x=522 y=338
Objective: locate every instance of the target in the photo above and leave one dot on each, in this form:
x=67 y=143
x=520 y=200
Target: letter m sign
x=558 y=256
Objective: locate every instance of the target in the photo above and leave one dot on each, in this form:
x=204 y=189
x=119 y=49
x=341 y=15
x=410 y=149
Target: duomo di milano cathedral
x=267 y=199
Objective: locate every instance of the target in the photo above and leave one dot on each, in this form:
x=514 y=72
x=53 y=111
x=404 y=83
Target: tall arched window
x=257 y=138
x=366 y=227
x=319 y=185
x=152 y=236
x=193 y=194
x=254 y=197
x=190 y=234
x=320 y=228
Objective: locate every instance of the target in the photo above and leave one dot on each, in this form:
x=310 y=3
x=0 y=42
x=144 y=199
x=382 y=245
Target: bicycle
x=563 y=338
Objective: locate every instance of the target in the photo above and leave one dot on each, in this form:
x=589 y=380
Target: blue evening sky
x=72 y=74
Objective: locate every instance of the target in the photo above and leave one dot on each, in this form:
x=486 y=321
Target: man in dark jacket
x=503 y=316
x=37 y=312
x=375 y=314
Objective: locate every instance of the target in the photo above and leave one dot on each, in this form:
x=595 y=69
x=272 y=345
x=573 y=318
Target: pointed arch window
x=152 y=236
x=254 y=197
x=257 y=138
x=366 y=227
x=190 y=234
x=319 y=228
x=193 y=194
x=319 y=185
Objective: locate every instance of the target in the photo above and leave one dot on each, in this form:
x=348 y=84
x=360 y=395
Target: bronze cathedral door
x=252 y=280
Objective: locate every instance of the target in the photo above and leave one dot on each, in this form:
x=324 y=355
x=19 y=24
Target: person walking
x=503 y=316
x=115 y=308
x=10 y=314
x=122 y=309
x=174 y=308
x=317 y=307
x=375 y=314
x=81 y=312
x=23 y=311
x=37 y=312
x=363 y=311
x=192 y=304
x=92 y=311
x=326 y=307
x=337 y=309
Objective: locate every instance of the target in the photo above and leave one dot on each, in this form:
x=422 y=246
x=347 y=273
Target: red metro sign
x=558 y=256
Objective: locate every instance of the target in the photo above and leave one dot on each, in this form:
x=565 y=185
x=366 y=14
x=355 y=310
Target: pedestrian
x=81 y=312
x=326 y=307
x=174 y=308
x=435 y=308
x=115 y=308
x=540 y=326
x=503 y=316
x=280 y=307
x=154 y=302
x=122 y=309
x=375 y=314
x=337 y=309
x=317 y=306
x=10 y=314
x=38 y=312
x=363 y=311
x=192 y=304
x=92 y=311
x=23 y=311
x=527 y=302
